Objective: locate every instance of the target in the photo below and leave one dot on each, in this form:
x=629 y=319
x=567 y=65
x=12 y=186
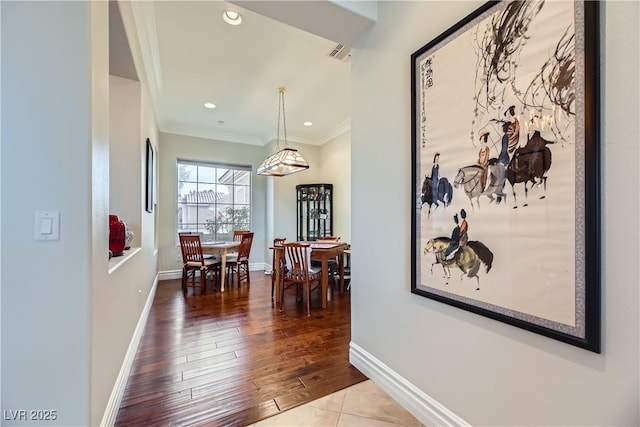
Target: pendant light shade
x=284 y=162
x=287 y=160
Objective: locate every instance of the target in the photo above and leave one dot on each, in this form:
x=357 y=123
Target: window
x=213 y=199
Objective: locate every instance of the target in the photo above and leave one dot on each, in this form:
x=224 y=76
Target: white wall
x=46 y=155
x=0 y=210
x=336 y=169
x=125 y=154
x=119 y=296
x=66 y=322
x=487 y=372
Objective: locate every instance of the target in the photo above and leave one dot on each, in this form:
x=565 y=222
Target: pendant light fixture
x=286 y=160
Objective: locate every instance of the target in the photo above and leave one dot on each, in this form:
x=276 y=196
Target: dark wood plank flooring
x=231 y=359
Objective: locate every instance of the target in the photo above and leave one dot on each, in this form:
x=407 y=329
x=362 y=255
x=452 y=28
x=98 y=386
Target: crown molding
x=330 y=135
x=182 y=129
x=189 y=130
x=337 y=131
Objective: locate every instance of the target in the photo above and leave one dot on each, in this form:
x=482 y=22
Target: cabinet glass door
x=314 y=213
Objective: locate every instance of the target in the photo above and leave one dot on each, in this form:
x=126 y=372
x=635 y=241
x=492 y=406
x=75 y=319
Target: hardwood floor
x=231 y=359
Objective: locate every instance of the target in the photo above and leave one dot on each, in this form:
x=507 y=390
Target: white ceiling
x=191 y=56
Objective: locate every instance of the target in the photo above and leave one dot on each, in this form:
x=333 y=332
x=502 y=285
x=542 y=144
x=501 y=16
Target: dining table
x=323 y=252
x=222 y=249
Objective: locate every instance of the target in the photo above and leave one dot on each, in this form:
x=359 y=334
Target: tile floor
x=361 y=405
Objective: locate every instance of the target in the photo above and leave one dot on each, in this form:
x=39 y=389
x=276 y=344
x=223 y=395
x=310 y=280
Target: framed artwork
x=505 y=167
x=149 y=176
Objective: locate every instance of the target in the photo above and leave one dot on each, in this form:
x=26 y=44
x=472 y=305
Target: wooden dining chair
x=193 y=262
x=239 y=262
x=299 y=272
x=206 y=256
x=276 y=264
x=333 y=266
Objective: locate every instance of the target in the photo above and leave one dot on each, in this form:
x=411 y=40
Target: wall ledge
x=422 y=406
x=116 y=262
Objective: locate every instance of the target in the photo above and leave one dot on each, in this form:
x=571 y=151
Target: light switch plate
x=46 y=225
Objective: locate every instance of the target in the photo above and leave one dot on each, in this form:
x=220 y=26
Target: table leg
x=324 y=281
x=276 y=272
x=223 y=273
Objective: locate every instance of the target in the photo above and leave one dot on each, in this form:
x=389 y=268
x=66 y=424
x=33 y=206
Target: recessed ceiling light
x=308 y=124
x=232 y=17
x=209 y=105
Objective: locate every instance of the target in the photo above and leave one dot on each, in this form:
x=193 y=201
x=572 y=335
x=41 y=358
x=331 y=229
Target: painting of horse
x=530 y=164
x=438 y=246
x=444 y=193
x=467 y=258
x=469 y=178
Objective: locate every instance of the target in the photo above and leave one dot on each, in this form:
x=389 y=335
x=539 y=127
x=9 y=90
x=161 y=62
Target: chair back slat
x=237 y=234
x=297 y=260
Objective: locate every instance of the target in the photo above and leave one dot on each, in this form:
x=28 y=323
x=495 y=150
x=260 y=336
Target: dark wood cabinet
x=315 y=211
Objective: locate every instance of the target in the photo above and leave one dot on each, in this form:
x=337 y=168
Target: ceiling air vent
x=341 y=52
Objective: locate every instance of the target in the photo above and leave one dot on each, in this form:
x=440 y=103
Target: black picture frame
x=149 y=178
x=540 y=263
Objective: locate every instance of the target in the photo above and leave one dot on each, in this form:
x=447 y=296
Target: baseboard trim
x=177 y=274
x=169 y=274
x=422 y=406
x=113 y=405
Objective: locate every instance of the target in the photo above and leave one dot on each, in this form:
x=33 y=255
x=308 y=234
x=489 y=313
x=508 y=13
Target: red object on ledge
x=117 y=235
